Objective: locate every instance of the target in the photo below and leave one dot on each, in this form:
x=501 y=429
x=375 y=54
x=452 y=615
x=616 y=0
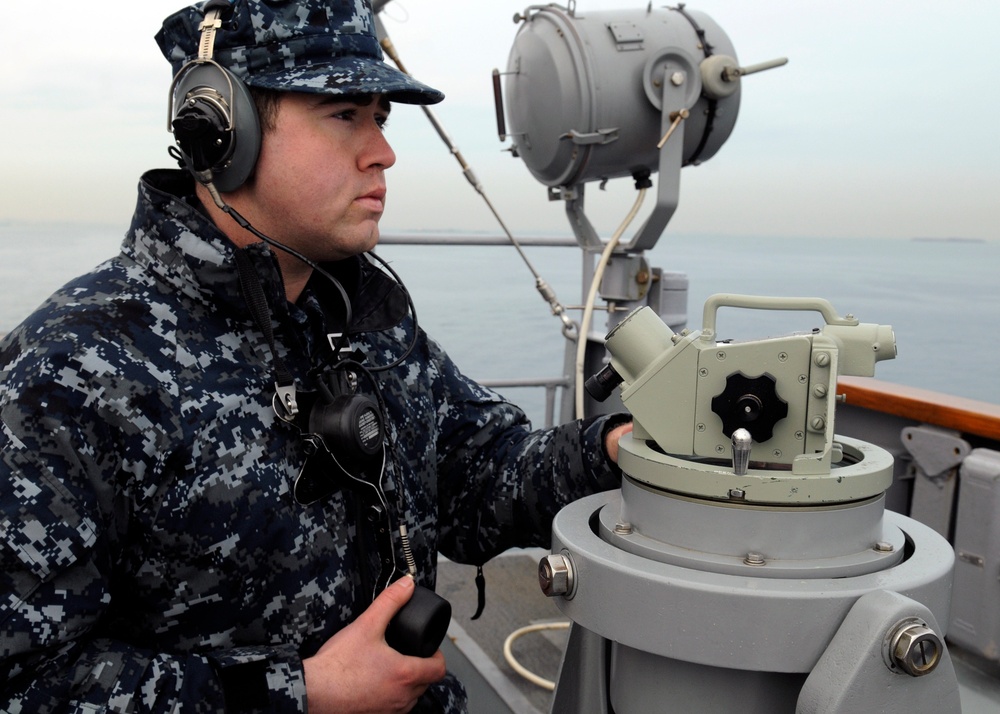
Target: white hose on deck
x=517 y=666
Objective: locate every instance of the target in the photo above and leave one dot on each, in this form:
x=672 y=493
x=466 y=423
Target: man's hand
x=356 y=671
x=612 y=437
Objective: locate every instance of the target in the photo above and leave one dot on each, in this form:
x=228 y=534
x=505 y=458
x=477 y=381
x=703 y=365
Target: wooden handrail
x=968 y=416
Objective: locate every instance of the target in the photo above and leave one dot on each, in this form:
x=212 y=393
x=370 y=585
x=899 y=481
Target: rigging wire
x=544 y=289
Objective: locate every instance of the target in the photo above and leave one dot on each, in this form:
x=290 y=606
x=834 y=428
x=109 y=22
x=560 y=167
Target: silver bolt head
x=915 y=648
x=623 y=529
x=555 y=575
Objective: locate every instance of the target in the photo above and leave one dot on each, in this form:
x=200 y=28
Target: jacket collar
x=171 y=237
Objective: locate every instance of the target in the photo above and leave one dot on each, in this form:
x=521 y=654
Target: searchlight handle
x=720 y=74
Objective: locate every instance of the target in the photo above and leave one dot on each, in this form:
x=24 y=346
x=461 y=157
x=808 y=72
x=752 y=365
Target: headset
x=218 y=138
x=212 y=116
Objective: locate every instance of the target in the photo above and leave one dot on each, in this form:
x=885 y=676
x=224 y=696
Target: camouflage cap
x=315 y=46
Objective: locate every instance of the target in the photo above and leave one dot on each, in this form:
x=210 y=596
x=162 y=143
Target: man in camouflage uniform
x=154 y=554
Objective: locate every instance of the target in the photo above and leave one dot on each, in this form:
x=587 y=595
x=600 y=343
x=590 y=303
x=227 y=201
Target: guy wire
x=544 y=289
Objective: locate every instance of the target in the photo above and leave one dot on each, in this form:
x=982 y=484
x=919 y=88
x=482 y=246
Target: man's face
x=319 y=185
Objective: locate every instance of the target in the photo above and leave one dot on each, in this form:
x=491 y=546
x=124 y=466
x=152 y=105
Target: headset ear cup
x=207 y=101
x=248 y=139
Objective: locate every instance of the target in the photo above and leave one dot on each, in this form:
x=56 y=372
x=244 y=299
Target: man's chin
x=356 y=245
x=373 y=238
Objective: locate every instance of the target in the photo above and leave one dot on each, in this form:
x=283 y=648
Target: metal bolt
x=720 y=355
x=375 y=514
x=822 y=359
x=623 y=529
x=884 y=547
x=782 y=356
x=817 y=423
x=555 y=575
x=703 y=372
x=677 y=79
x=754 y=559
x=737 y=494
x=820 y=390
x=914 y=648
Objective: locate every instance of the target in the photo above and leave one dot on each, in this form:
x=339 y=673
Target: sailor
x=206 y=439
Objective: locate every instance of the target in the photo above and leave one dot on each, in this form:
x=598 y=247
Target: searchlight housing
x=594 y=96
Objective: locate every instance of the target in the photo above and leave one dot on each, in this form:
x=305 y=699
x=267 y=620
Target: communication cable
x=588 y=309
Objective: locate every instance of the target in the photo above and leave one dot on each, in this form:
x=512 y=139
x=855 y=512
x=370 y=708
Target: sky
x=883 y=123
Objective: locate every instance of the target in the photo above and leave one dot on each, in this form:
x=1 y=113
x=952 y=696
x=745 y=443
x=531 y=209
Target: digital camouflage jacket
x=153 y=555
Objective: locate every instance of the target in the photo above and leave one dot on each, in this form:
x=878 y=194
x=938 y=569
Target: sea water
x=941 y=297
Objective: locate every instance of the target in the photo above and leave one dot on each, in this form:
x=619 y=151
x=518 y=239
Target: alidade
x=689 y=393
x=748 y=555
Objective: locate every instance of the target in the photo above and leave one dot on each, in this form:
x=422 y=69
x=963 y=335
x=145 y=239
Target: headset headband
x=209 y=25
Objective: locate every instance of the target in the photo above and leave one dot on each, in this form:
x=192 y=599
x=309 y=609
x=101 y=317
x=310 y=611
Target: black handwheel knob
x=750 y=403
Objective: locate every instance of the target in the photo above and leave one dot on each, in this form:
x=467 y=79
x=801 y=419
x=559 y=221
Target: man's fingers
x=389 y=602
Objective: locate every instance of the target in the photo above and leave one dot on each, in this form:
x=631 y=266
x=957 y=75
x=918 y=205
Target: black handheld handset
x=419 y=627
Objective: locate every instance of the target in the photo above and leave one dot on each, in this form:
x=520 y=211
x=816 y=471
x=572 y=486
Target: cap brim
x=349 y=75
